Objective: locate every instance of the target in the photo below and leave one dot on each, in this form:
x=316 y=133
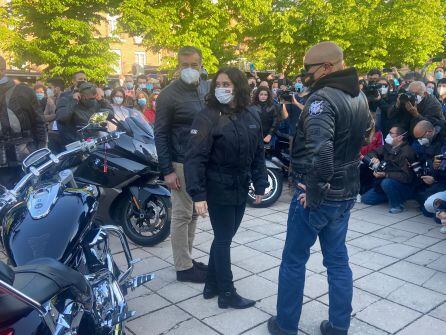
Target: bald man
x=325 y=161
x=426 y=105
x=430 y=143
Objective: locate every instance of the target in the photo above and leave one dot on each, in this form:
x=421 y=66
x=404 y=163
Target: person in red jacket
x=150 y=112
x=366 y=175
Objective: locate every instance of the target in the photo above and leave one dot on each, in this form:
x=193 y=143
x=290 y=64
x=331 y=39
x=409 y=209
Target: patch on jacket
x=316 y=108
x=194 y=131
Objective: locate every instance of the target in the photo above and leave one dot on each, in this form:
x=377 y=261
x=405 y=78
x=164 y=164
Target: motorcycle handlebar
x=10 y=196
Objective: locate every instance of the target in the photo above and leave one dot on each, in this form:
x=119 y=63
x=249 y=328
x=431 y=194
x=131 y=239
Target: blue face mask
x=439 y=75
x=299 y=87
x=149 y=87
x=40 y=96
x=129 y=85
x=142 y=101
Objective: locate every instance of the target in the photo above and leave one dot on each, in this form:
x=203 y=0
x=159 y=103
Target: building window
x=118 y=66
x=140 y=58
x=112 y=26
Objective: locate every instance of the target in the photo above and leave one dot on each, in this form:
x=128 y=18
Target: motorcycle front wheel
x=146 y=226
x=272 y=193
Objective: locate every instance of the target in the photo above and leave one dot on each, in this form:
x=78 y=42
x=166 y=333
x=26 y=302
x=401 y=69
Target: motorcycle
x=277 y=160
x=62 y=277
x=127 y=176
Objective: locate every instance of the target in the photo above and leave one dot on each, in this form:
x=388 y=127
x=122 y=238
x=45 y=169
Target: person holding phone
x=225 y=152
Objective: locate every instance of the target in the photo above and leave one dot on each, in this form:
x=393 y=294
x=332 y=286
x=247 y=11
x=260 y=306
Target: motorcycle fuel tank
x=55 y=235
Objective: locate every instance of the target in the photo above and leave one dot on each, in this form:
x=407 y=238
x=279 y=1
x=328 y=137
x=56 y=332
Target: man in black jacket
x=394 y=182
x=22 y=128
x=176 y=108
x=325 y=161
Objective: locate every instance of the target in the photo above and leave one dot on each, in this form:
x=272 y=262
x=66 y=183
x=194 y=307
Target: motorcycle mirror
x=99 y=118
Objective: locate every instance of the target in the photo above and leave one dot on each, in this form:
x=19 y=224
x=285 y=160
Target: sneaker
x=443 y=230
x=396 y=210
x=274 y=328
x=192 y=275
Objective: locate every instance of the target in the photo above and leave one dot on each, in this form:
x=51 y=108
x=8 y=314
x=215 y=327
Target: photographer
x=263 y=103
x=430 y=147
x=394 y=178
x=441 y=90
x=436 y=205
x=426 y=106
x=380 y=101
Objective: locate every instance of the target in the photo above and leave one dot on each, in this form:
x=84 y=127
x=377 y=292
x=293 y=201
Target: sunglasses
x=307 y=67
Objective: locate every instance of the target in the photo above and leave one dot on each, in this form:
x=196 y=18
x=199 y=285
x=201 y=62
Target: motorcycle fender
x=271 y=165
x=144 y=193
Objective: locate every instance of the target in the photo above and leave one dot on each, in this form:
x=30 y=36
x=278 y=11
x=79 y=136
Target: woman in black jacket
x=263 y=103
x=225 y=152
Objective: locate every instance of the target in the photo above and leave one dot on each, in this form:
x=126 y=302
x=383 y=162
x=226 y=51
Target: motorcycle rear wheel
x=272 y=193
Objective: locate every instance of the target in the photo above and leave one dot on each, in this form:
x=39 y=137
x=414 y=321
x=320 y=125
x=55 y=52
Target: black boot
x=328 y=329
x=210 y=291
x=192 y=275
x=201 y=266
x=234 y=300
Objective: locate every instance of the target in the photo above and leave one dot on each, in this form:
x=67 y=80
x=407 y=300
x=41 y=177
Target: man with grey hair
x=426 y=106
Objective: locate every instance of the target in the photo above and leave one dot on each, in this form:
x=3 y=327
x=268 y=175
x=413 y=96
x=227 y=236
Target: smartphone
x=387 y=70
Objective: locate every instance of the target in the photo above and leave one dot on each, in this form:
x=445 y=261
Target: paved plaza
x=398 y=263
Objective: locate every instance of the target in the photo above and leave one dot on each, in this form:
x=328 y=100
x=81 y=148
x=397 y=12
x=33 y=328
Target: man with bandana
x=22 y=128
x=325 y=162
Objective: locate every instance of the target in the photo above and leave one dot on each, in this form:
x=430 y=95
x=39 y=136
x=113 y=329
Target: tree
x=61 y=35
x=216 y=27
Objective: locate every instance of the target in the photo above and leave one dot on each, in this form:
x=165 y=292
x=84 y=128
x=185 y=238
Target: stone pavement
x=398 y=263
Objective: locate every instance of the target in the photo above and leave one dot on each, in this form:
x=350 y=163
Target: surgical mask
x=423 y=141
x=149 y=87
x=441 y=90
x=299 y=87
x=389 y=139
x=129 y=85
x=142 y=86
x=142 y=101
x=40 y=96
x=430 y=90
x=418 y=99
x=384 y=90
x=224 y=95
x=118 y=100
x=439 y=75
x=190 y=76
x=49 y=92
x=275 y=90
x=107 y=93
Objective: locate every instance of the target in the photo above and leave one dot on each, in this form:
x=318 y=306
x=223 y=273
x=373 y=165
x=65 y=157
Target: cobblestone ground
x=398 y=262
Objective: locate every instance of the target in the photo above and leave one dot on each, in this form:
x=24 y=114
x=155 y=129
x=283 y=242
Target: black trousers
x=225 y=221
x=9 y=176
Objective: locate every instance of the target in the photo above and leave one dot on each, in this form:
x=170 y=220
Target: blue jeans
x=393 y=191
x=329 y=221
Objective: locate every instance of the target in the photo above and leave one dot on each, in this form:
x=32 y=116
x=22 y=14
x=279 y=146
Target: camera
x=421 y=169
x=285 y=96
x=440 y=205
x=381 y=167
x=371 y=91
x=441 y=157
x=407 y=97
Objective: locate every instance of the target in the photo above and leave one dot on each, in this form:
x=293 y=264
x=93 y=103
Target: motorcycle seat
x=41 y=280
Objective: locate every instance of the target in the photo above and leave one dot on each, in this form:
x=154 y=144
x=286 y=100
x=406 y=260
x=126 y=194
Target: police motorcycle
x=277 y=160
x=127 y=175
x=62 y=278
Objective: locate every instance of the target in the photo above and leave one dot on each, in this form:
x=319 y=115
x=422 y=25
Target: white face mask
x=224 y=95
x=389 y=139
x=384 y=90
x=49 y=92
x=118 y=100
x=107 y=93
x=441 y=90
x=430 y=90
x=418 y=99
x=190 y=76
x=423 y=141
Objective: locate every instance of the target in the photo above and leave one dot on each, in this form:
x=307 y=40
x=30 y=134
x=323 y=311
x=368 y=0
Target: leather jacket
x=330 y=133
x=176 y=107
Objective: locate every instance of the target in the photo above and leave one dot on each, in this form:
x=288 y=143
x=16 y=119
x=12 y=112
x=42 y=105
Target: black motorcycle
x=62 y=279
x=127 y=175
x=277 y=159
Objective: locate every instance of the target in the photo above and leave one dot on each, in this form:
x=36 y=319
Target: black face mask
x=89 y=103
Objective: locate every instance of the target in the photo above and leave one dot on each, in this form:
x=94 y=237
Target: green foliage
x=216 y=27
x=61 y=35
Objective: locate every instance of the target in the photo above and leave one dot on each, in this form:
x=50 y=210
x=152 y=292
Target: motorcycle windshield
x=134 y=124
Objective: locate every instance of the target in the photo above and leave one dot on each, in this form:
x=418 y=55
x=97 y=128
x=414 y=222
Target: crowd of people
x=210 y=136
